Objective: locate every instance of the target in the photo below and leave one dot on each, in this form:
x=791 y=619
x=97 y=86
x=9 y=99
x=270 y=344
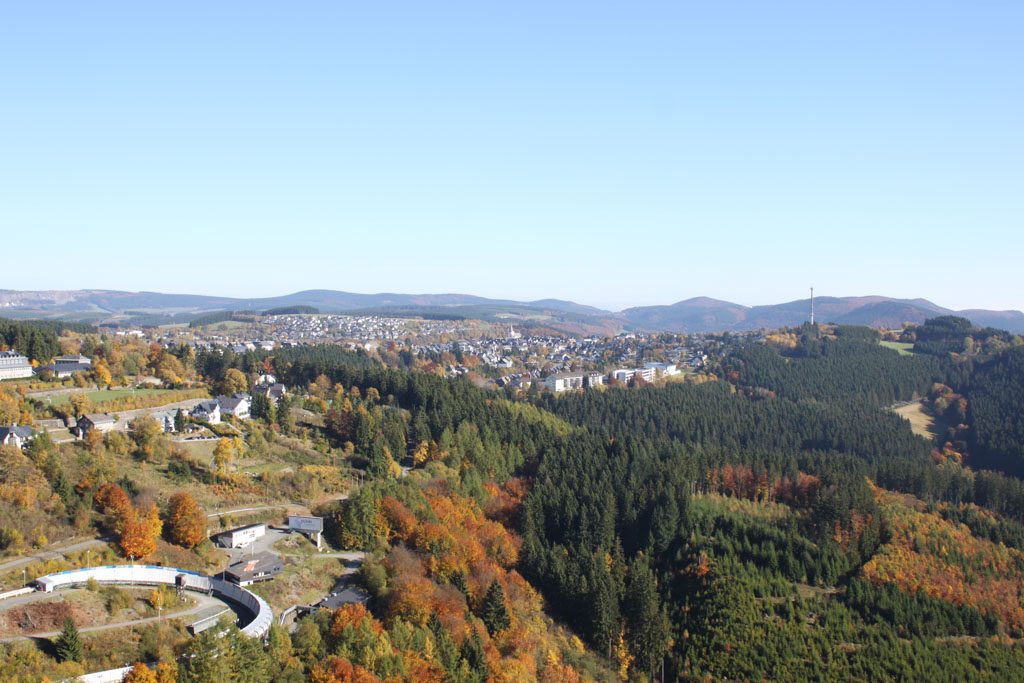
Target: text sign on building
x=307 y=524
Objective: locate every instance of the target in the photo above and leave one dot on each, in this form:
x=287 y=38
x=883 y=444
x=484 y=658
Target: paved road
x=52 y=554
x=296 y=508
x=203 y=602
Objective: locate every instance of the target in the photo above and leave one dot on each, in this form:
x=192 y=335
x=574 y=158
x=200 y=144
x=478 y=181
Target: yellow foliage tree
x=140 y=673
x=223 y=456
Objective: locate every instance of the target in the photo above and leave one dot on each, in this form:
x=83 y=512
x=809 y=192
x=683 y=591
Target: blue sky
x=615 y=154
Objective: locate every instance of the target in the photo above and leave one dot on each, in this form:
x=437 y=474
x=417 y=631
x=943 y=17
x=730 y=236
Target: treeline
x=291 y=310
x=36 y=340
x=848 y=368
x=951 y=334
x=220 y=317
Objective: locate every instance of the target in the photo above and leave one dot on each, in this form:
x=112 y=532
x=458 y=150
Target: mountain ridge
x=696 y=314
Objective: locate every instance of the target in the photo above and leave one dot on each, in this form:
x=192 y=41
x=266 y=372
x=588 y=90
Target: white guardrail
x=15 y=593
x=108 y=676
x=147 y=575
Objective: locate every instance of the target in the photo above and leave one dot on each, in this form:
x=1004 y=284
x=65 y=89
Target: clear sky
x=611 y=153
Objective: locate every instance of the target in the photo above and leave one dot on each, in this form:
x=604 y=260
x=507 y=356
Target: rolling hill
x=699 y=314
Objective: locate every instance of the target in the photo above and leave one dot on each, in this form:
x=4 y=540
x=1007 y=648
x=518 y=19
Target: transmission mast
x=812 y=305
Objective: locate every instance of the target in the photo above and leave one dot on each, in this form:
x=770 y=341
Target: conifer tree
x=69 y=643
x=493 y=611
x=473 y=653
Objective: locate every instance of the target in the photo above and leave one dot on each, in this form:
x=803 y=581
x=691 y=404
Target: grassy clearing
x=103 y=396
x=200 y=450
x=903 y=348
x=304 y=581
x=762 y=510
x=921 y=421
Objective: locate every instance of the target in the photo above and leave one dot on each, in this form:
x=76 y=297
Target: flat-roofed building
x=240 y=537
x=564 y=381
x=260 y=567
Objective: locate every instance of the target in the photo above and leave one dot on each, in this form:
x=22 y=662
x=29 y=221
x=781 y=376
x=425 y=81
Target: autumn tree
x=140 y=673
x=234 y=382
x=167 y=672
x=223 y=456
x=102 y=374
x=421 y=454
x=140 y=532
x=148 y=436
x=80 y=404
x=110 y=499
x=186 y=521
x=9 y=409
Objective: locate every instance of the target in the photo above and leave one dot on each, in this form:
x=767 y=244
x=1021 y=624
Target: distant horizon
x=817 y=295
x=619 y=155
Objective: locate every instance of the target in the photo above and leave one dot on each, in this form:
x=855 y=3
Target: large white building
x=13 y=365
x=626 y=374
x=663 y=369
x=242 y=536
x=564 y=381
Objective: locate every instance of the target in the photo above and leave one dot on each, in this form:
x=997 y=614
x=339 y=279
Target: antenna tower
x=812 y=305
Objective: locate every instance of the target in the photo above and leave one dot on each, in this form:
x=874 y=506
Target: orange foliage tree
x=339 y=670
x=186 y=521
x=110 y=499
x=139 y=533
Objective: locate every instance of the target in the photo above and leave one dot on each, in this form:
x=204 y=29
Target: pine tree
x=493 y=611
x=444 y=647
x=69 y=643
x=381 y=465
x=473 y=653
x=179 y=421
x=647 y=628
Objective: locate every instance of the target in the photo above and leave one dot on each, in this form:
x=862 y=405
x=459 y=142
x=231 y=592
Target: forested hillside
x=743 y=527
x=847 y=369
x=781 y=523
x=36 y=339
x=995 y=408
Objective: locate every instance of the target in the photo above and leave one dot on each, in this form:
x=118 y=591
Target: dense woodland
x=780 y=523
x=631 y=527
x=37 y=339
x=840 y=370
x=995 y=397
